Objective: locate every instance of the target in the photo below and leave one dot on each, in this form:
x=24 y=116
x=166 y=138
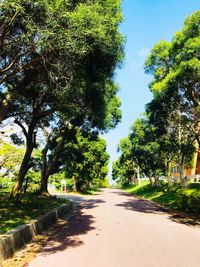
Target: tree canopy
x=169 y=133
x=58 y=60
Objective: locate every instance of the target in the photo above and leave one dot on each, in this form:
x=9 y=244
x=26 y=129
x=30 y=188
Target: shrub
x=189 y=200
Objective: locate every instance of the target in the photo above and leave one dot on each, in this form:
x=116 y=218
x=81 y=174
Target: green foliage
x=33 y=180
x=175 y=67
x=67 y=53
x=6 y=183
x=169 y=132
x=57 y=61
x=146 y=148
x=31 y=207
x=86 y=161
x=184 y=199
x=170 y=129
x=125 y=168
x=189 y=200
x=10 y=158
x=105 y=183
x=161 y=195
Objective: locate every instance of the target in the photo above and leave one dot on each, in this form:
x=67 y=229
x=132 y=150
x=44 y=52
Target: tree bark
x=48 y=169
x=168 y=174
x=149 y=175
x=75 y=187
x=138 y=176
x=46 y=172
x=181 y=169
x=44 y=178
x=15 y=193
x=157 y=181
x=25 y=166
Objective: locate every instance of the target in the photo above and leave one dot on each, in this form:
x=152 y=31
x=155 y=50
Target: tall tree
x=175 y=67
x=146 y=150
x=57 y=41
x=78 y=74
x=173 y=132
x=85 y=160
x=125 y=169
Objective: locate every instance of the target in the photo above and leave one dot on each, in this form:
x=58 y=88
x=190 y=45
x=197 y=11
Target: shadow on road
x=121 y=193
x=145 y=206
x=93 y=203
x=68 y=235
x=141 y=205
x=184 y=219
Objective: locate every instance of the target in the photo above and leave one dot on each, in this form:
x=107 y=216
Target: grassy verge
x=31 y=207
x=174 y=198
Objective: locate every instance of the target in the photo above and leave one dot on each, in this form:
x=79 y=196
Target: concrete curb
x=21 y=235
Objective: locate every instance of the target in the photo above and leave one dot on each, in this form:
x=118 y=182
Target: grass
x=30 y=207
x=159 y=195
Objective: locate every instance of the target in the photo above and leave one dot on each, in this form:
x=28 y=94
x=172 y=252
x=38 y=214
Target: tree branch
x=22 y=127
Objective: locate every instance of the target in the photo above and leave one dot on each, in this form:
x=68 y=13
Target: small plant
x=189 y=200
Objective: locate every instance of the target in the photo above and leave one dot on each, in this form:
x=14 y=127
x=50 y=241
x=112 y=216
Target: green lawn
x=31 y=207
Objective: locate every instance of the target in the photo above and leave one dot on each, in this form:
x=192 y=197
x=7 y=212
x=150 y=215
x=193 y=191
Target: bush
x=189 y=200
x=33 y=178
x=6 y=183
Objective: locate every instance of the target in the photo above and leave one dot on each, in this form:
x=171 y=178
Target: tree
x=172 y=125
x=175 y=67
x=52 y=151
x=125 y=168
x=81 y=59
x=86 y=160
x=173 y=132
x=140 y=151
x=57 y=41
x=146 y=150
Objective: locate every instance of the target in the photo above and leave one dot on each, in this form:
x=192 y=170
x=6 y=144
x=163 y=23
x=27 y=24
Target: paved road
x=114 y=229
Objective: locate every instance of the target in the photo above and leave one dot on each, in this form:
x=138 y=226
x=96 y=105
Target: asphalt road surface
x=114 y=229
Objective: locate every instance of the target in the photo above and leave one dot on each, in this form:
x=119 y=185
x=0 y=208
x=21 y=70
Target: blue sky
x=145 y=23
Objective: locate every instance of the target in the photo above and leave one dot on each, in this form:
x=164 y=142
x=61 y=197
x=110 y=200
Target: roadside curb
x=17 y=238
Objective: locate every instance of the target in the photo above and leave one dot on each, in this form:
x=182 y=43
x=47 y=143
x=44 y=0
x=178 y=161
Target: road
x=114 y=229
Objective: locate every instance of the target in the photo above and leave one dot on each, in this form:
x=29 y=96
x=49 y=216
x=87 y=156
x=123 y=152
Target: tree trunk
x=75 y=187
x=44 y=178
x=16 y=190
x=45 y=173
x=168 y=174
x=25 y=166
x=44 y=184
x=138 y=176
x=26 y=185
x=181 y=169
x=50 y=169
x=157 y=181
x=151 y=180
